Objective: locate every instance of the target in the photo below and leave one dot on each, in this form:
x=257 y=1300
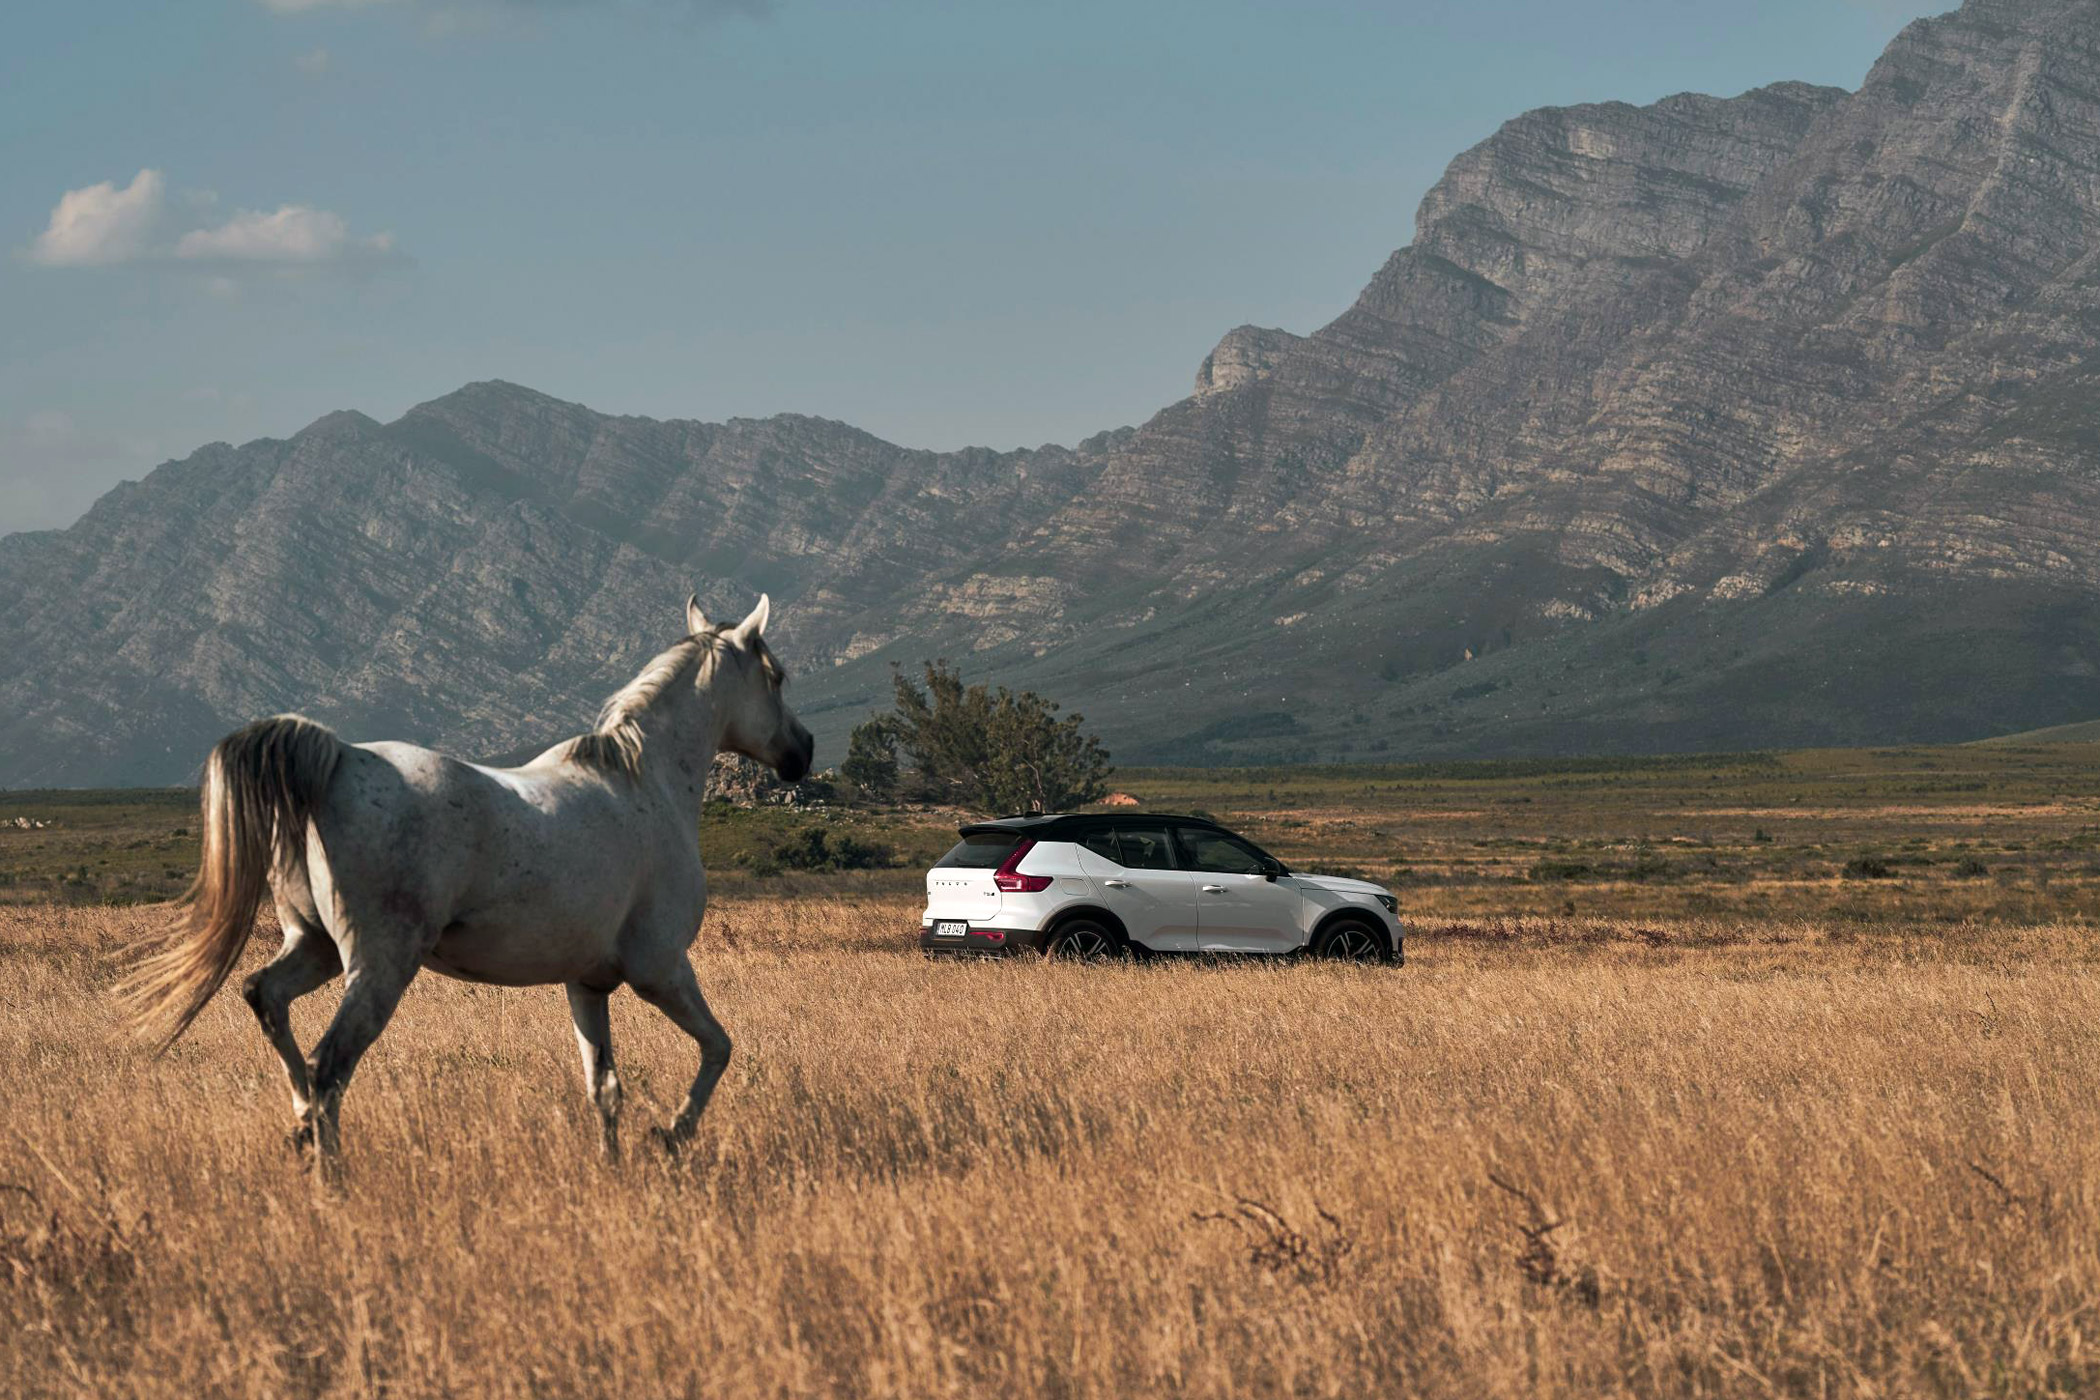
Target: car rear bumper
x=981 y=940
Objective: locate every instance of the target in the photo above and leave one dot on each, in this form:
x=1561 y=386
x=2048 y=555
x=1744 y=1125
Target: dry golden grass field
x=1741 y=1123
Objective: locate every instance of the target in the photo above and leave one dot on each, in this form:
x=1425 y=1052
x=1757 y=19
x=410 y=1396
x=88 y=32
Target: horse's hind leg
x=677 y=994
x=380 y=969
x=593 y=1018
x=306 y=961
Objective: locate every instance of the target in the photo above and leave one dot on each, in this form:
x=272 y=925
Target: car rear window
x=984 y=851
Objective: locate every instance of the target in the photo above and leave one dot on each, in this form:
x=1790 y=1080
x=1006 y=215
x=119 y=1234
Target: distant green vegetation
x=2007 y=832
x=128 y=846
x=2004 y=832
x=1464 y=770
x=781 y=846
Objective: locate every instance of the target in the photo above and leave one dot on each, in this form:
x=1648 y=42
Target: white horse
x=582 y=867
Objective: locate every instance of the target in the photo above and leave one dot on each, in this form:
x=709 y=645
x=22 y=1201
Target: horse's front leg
x=306 y=961
x=676 y=992
x=593 y=1018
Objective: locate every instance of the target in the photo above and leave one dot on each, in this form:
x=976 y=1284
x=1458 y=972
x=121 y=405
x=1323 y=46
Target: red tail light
x=1008 y=878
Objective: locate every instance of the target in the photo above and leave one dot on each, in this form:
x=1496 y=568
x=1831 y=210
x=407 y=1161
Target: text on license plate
x=950 y=930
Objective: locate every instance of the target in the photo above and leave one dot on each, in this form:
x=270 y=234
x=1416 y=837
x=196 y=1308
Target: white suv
x=1101 y=886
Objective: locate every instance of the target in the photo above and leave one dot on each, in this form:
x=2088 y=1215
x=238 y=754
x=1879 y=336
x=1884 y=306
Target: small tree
x=942 y=730
x=1038 y=762
x=871 y=759
x=994 y=750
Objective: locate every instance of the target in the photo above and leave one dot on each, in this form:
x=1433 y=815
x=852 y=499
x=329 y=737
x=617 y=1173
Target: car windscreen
x=984 y=850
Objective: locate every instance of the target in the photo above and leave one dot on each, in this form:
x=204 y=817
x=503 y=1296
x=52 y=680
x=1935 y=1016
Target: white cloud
x=101 y=223
x=313 y=62
x=294 y=234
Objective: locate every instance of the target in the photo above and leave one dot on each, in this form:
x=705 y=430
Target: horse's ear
x=754 y=626
x=695 y=620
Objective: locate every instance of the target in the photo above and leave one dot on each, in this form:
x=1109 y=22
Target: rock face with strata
x=1713 y=423
x=1246 y=355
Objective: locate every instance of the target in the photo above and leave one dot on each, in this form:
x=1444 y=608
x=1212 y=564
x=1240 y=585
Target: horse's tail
x=261 y=785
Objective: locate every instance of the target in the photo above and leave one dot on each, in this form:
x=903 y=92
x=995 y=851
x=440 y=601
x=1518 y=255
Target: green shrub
x=871 y=759
x=814 y=849
x=996 y=750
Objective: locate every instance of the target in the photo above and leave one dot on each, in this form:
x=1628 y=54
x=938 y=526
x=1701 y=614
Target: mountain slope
x=478 y=573
x=1718 y=422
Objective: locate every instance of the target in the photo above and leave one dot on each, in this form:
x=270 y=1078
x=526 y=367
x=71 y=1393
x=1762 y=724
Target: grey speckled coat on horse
x=582 y=867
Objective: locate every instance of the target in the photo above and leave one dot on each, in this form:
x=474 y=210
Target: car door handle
x=1214 y=889
x=1117 y=884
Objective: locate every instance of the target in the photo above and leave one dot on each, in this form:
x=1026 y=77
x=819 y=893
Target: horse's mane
x=615 y=744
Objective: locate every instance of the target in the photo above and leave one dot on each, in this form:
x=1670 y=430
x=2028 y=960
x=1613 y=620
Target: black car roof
x=1059 y=826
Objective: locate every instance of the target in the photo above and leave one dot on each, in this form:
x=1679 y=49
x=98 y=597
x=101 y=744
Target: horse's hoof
x=669 y=1142
x=301 y=1141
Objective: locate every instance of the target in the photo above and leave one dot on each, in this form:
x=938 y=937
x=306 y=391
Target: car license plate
x=950 y=930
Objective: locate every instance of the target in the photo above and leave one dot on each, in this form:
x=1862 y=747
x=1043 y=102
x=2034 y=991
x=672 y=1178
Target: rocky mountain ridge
x=1713 y=423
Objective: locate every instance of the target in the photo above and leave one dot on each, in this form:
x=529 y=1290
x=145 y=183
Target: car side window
x=1215 y=851
x=1144 y=848
x=1103 y=843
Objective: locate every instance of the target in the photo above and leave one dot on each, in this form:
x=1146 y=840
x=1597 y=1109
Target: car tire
x=1349 y=940
x=1084 y=940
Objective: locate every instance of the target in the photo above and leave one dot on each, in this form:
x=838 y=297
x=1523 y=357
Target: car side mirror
x=1272 y=868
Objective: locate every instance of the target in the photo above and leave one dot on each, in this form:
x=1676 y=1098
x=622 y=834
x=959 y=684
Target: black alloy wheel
x=1349 y=940
x=1085 y=940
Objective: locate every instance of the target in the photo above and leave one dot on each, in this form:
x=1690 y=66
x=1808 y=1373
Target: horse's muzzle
x=798 y=755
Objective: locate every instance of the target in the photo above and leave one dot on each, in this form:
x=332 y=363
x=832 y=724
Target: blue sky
x=946 y=221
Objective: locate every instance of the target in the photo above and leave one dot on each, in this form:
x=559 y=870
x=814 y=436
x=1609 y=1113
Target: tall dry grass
x=1547 y=1159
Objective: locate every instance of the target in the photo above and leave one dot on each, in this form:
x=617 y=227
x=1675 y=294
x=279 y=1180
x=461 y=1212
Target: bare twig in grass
x=1991 y=1021
x=2025 y=1206
x=1539 y=1260
x=1278 y=1247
